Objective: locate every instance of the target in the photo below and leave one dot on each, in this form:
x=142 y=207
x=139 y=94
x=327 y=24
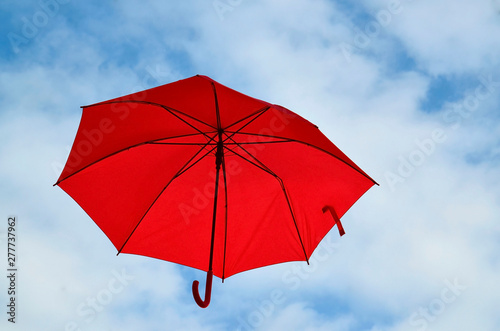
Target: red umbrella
x=198 y=174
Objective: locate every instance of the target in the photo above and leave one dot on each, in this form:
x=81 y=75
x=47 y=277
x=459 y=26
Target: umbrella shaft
x=218 y=162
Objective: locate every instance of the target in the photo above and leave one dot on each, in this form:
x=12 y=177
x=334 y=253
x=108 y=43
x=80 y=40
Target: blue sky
x=410 y=90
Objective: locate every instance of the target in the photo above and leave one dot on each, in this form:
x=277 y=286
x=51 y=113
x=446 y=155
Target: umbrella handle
x=208 y=291
x=335 y=218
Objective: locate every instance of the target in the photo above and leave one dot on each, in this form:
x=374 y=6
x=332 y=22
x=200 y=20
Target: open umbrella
x=198 y=174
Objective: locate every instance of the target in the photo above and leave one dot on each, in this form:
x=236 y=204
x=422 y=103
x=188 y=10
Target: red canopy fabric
x=143 y=167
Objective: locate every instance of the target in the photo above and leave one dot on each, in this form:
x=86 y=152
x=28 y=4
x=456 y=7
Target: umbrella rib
x=258 y=113
x=283 y=188
x=178 y=144
x=201 y=158
x=181 y=171
x=170 y=109
x=284 y=140
x=127 y=148
x=313 y=146
x=261 y=166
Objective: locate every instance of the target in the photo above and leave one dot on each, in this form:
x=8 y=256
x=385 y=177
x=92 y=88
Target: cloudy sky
x=410 y=90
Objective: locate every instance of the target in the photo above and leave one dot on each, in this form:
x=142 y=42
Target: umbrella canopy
x=196 y=173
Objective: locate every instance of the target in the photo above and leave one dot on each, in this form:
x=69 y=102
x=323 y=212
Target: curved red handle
x=208 y=291
x=335 y=218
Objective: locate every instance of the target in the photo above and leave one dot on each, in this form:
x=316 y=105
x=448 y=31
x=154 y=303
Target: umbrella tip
x=204 y=77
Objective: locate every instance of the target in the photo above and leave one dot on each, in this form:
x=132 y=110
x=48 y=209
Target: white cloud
x=448 y=36
x=300 y=317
